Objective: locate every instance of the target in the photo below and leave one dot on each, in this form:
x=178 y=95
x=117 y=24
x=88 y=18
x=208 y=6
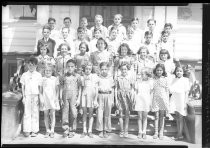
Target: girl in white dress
x=49 y=99
x=178 y=102
x=143 y=88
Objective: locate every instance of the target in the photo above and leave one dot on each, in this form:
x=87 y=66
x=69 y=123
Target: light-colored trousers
x=31 y=114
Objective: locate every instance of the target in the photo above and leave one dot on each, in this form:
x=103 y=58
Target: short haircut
x=33 y=60
x=135 y=19
x=147 y=71
x=80 y=29
x=104 y=64
x=65 y=28
x=102 y=39
x=87 y=64
x=86 y=45
x=163 y=68
x=64 y=44
x=51 y=19
x=71 y=61
x=148 y=33
x=168 y=24
x=67 y=18
x=128 y=48
x=49 y=65
x=164 y=32
x=98 y=16
x=112 y=28
x=164 y=51
x=151 y=20
x=83 y=19
x=124 y=64
x=46 y=27
x=143 y=47
x=120 y=15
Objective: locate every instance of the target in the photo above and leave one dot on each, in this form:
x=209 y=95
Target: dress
x=124 y=92
x=89 y=84
x=143 y=96
x=161 y=95
x=121 y=31
x=178 y=89
x=49 y=93
x=81 y=60
x=61 y=64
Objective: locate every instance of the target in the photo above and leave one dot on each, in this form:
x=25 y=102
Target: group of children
x=99 y=69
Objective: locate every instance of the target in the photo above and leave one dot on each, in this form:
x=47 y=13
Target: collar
x=46 y=39
x=70 y=74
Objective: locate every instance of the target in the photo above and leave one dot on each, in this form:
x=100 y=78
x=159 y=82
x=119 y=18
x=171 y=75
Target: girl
x=124 y=57
x=49 y=99
x=164 y=43
x=131 y=41
x=121 y=29
x=124 y=98
x=44 y=59
x=101 y=55
x=98 y=25
x=93 y=42
x=160 y=102
x=62 y=59
x=168 y=64
x=89 y=97
x=82 y=58
x=143 y=59
x=178 y=102
x=105 y=101
x=113 y=42
x=138 y=33
x=143 y=88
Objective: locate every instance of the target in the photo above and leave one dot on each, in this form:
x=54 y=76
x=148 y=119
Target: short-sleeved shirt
x=31 y=81
x=61 y=64
x=105 y=83
x=144 y=64
x=76 y=46
x=124 y=83
x=81 y=60
x=103 y=29
x=113 y=46
x=121 y=31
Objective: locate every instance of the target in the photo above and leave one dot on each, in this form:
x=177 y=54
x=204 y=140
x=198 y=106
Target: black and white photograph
x=102 y=74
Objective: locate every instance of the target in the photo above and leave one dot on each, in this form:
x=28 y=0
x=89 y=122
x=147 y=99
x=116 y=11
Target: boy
x=67 y=23
x=31 y=81
x=46 y=40
x=151 y=24
x=54 y=32
x=84 y=24
x=70 y=98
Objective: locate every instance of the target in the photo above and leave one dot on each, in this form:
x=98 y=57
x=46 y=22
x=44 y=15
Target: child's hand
x=117 y=112
x=95 y=104
x=77 y=103
x=61 y=103
x=24 y=99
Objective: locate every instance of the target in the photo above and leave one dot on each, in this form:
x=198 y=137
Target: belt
x=104 y=92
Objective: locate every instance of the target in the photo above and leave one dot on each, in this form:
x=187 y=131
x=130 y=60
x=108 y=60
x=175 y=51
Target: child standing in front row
x=70 y=94
x=49 y=99
x=123 y=98
x=143 y=87
x=105 y=101
x=89 y=97
x=160 y=102
x=178 y=101
x=31 y=81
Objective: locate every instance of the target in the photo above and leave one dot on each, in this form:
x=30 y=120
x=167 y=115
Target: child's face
x=70 y=67
x=52 y=24
x=98 y=21
x=143 y=53
x=179 y=72
x=81 y=35
x=65 y=33
x=64 y=50
x=46 y=33
x=151 y=25
x=134 y=24
x=88 y=69
x=168 y=29
x=67 y=23
x=82 y=48
x=100 y=45
x=43 y=51
x=124 y=51
x=117 y=20
x=97 y=34
x=104 y=70
x=144 y=76
x=113 y=34
x=124 y=70
x=31 y=67
x=148 y=38
x=159 y=71
x=130 y=34
x=165 y=37
x=48 y=72
x=84 y=23
x=163 y=56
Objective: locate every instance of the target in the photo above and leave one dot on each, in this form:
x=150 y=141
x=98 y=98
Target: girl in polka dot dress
x=160 y=100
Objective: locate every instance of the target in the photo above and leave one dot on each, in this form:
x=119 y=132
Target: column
x=5 y=13
x=42 y=14
x=172 y=15
x=74 y=15
x=160 y=16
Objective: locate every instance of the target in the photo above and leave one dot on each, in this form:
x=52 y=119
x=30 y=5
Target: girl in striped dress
x=160 y=102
